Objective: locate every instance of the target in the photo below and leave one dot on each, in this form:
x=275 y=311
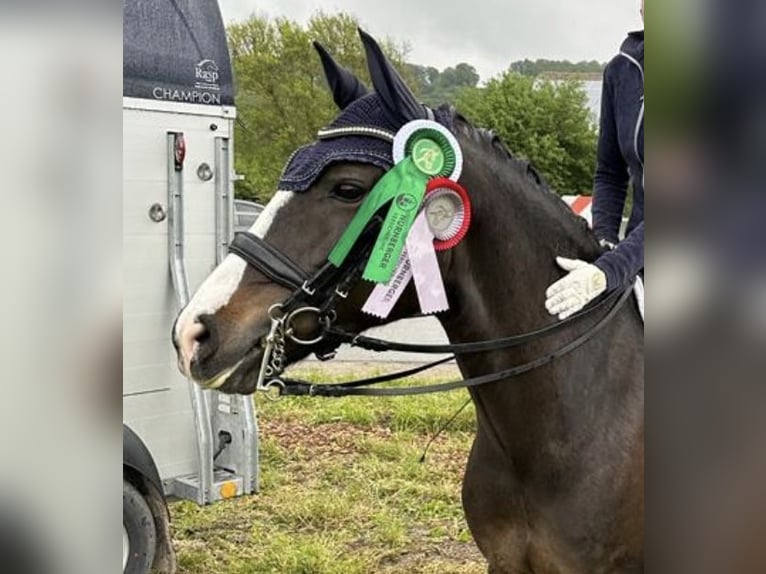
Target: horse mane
x=492 y=142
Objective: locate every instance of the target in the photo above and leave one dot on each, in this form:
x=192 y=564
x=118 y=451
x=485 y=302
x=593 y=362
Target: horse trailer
x=178 y=208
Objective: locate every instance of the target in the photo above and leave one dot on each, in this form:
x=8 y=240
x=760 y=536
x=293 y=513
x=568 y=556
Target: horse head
x=219 y=334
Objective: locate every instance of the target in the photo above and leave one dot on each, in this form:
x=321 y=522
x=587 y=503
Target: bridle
x=320 y=293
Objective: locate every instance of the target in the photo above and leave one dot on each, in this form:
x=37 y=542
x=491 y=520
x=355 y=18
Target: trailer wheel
x=139 y=534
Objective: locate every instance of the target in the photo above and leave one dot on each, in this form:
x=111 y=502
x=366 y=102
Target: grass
x=342 y=491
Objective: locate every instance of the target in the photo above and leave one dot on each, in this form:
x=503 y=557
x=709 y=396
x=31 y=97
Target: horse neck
x=497 y=279
x=500 y=272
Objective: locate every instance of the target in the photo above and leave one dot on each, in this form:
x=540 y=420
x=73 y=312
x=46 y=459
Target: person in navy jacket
x=620 y=163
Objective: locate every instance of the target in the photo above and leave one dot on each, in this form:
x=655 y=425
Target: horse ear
x=345 y=86
x=399 y=101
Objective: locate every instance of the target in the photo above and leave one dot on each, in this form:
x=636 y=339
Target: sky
x=489 y=34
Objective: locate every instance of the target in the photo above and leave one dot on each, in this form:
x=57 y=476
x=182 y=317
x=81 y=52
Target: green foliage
x=557 y=68
x=436 y=88
x=546 y=122
x=282 y=97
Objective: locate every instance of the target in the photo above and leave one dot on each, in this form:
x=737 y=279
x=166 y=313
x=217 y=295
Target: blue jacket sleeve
x=623 y=263
x=611 y=180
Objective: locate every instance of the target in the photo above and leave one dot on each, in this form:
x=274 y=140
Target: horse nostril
x=205 y=340
x=202 y=335
x=197 y=342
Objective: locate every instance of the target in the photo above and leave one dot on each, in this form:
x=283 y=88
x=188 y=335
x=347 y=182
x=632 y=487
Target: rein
x=382 y=345
x=292 y=387
x=319 y=295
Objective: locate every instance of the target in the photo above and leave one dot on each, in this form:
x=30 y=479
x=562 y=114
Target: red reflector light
x=180 y=151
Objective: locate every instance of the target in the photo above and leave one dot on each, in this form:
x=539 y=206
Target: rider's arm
x=624 y=262
x=610 y=185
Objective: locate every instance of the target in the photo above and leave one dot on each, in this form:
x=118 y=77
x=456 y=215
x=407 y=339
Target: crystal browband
x=378 y=133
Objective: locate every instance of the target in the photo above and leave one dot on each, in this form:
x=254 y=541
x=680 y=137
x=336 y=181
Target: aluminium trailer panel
x=156 y=401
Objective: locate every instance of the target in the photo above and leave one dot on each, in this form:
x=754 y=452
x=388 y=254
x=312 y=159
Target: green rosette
x=417 y=130
x=431 y=152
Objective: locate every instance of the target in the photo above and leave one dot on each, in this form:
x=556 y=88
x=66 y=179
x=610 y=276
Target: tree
x=555 y=68
x=466 y=75
x=436 y=88
x=546 y=122
x=282 y=97
x=525 y=67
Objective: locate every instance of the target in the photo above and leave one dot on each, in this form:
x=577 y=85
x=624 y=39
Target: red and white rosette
x=448 y=212
x=440 y=225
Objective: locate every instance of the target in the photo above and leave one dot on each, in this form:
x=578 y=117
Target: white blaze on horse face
x=219 y=287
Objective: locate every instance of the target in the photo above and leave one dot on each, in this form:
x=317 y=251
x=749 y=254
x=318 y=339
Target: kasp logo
x=206 y=72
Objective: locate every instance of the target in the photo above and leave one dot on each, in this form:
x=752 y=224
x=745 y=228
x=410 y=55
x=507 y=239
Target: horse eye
x=347 y=192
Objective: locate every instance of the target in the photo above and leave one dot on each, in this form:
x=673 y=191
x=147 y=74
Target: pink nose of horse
x=189 y=340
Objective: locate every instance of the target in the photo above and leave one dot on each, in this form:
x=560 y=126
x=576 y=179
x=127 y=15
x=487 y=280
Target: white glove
x=580 y=286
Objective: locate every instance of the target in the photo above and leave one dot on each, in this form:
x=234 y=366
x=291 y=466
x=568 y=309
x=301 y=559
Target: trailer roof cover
x=175 y=50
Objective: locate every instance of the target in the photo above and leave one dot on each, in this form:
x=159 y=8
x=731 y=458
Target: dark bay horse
x=554 y=481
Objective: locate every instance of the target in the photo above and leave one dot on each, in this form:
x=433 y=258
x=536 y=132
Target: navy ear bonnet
x=309 y=162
